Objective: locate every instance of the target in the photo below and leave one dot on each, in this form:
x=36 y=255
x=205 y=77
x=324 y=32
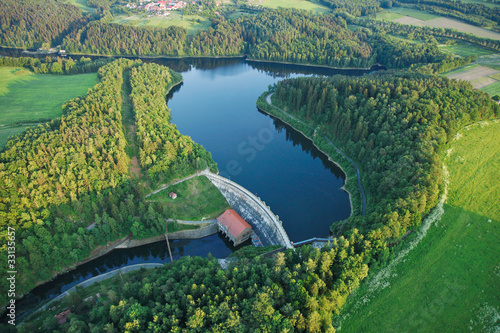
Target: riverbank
x=245 y=57
x=263 y=101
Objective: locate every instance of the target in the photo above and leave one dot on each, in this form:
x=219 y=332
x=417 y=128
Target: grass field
x=82 y=4
x=398 y=12
x=193 y=23
x=25 y=96
x=197 y=198
x=448 y=282
x=297 y=4
x=464 y=49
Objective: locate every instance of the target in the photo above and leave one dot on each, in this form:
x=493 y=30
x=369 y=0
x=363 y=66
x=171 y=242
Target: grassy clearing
x=82 y=4
x=193 y=23
x=25 y=96
x=463 y=49
x=197 y=198
x=397 y=12
x=297 y=4
x=449 y=281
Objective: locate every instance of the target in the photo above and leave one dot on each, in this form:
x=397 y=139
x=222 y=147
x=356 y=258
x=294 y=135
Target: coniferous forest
x=76 y=185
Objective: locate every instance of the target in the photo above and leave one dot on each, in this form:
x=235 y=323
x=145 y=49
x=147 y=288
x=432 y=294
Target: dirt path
x=128 y=119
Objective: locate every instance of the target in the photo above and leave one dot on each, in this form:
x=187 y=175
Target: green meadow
x=464 y=49
x=28 y=97
x=197 y=198
x=449 y=281
x=193 y=23
x=398 y=12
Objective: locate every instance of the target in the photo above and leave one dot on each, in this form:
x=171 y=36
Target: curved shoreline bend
x=363 y=199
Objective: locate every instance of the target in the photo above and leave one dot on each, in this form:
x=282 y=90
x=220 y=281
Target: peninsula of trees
x=58 y=179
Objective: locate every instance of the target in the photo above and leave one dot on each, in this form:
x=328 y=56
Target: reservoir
x=215 y=105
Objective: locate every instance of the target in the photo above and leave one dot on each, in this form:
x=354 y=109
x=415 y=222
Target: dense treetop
x=393 y=125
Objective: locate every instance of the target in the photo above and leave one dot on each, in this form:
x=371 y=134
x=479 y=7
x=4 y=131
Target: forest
x=30 y=24
x=285 y=35
x=394 y=126
x=296 y=291
x=65 y=186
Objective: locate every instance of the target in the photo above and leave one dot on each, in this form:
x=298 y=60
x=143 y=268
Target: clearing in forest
x=449 y=281
x=28 y=97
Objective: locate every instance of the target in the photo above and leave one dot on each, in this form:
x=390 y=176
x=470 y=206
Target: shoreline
x=323 y=152
x=245 y=57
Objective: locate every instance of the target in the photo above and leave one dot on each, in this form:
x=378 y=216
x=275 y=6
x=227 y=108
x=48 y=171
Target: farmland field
x=464 y=49
x=25 y=96
x=449 y=280
x=197 y=198
x=492 y=89
x=297 y=4
x=444 y=22
x=82 y=4
x=399 y=12
x=193 y=23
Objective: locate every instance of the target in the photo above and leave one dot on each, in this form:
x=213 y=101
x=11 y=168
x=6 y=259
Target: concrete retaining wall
x=253 y=210
x=205 y=231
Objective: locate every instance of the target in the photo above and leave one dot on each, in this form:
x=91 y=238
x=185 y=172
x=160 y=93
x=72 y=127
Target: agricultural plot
x=82 y=4
x=464 y=49
x=444 y=22
x=193 y=23
x=27 y=97
x=314 y=6
x=197 y=198
x=480 y=77
x=448 y=281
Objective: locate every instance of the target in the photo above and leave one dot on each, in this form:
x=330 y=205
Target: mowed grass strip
x=449 y=281
x=25 y=96
x=193 y=23
x=197 y=198
x=492 y=89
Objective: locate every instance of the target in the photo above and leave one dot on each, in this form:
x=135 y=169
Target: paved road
x=268 y=100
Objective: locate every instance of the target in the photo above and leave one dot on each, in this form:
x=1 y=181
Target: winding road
x=268 y=100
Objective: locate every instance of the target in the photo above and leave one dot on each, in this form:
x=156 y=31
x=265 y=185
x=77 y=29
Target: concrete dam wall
x=264 y=223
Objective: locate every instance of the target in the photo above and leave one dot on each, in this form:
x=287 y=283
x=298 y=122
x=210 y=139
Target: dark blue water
x=216 y=107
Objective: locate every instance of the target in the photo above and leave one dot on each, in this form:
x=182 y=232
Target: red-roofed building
x=234 y=227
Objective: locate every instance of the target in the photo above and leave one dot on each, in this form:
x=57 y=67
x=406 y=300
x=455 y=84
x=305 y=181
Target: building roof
x=234 y=222
x=61 y=318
